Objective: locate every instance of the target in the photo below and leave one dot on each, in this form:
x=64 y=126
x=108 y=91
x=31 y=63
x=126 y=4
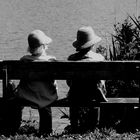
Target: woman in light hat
x=84 y=90
x=38 y=93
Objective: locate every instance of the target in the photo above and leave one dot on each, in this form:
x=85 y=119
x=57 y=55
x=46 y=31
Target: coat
x=84 y=90
x=41 y=92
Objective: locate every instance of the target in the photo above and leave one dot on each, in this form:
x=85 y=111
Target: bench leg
x=11 y=117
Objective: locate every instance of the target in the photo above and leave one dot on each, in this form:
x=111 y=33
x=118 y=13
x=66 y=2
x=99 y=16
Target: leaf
x=114 y=50
x=110 y=53
x=136 y=22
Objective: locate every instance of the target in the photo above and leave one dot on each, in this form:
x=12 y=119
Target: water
x=60 y=19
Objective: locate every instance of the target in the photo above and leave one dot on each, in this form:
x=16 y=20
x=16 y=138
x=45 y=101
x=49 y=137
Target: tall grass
x=126 y=40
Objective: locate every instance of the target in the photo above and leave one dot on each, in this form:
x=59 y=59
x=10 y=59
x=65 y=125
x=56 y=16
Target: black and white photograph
x=69 y=69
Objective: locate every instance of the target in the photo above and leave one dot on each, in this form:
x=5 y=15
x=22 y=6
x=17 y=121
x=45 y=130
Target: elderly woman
x=36 y=89
x=85 y=90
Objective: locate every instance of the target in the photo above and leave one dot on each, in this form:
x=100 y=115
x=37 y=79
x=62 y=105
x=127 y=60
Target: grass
x=98 y=134
x=29 y=131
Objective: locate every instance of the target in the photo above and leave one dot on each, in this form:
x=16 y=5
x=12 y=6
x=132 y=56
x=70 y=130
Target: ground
x=58 y=123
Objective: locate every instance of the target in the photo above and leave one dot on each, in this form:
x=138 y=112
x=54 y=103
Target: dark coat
x=82 y=90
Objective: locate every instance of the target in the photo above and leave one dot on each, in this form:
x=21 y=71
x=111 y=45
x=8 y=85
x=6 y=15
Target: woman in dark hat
x=84 y=90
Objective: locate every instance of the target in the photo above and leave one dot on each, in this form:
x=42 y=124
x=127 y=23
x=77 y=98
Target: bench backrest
x=62 y=70
x=65 y=70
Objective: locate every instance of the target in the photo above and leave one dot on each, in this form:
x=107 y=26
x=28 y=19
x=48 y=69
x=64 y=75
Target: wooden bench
x=62 y=70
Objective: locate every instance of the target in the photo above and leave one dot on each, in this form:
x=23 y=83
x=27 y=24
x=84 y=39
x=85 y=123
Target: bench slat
x=116 y=101
x=123 y=100
x=66 y=70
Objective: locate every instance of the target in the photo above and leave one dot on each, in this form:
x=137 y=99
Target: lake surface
x=60 y=20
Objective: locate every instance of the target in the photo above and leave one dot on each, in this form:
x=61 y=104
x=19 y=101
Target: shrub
x=125 y=46
x=126 y=40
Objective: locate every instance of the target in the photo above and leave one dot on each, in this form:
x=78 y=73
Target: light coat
x=40 y=93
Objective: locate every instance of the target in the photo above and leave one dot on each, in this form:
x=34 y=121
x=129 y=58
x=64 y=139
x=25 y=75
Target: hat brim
x=78 y=45
x=46 y=40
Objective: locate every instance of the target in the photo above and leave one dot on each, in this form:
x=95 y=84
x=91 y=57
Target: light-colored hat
x=86 y=37
x=37 y=38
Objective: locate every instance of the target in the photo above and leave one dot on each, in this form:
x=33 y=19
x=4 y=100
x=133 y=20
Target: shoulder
x=51 y=58
x=71 y=57
x=27 y=58
x=96 y=56
x=46 y=58
x=74 y=57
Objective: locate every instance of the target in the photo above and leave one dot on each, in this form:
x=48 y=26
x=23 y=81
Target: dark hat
x=86 y=37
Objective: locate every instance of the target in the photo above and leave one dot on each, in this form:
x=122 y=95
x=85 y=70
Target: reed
x=125 y=41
